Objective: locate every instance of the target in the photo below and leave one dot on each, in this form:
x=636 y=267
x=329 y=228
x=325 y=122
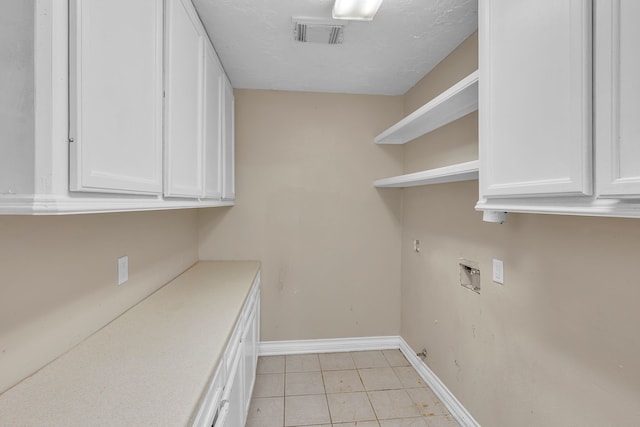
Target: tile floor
x=363 y=389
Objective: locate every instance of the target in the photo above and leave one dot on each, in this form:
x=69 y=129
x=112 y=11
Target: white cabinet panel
x=210 y=411
x=116 y=96
x=184 y=101
x=228 y=145
x=234 y=391
x=535 y=97
x=250 y=352
x=617 y=98
x=212 y=124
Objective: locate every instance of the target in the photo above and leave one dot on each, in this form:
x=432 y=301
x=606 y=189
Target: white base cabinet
x=226 y=403
x=546 y=144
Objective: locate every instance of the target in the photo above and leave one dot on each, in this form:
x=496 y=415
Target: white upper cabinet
x=184 y=101
x=212 y=124
x=535 y=111
x=124 y=112
x=617 y=95
x=228 y=144
x=535 y=97
x=116 y=96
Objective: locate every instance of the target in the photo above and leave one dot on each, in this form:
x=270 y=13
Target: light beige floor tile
x=270 y=365
x=358 y=424
x=301 y=383
x=336 y=361
x=264 y=422
x=268 y=385
x=389 y=404
x=342 y=381
x=409 y=377
x=348 y=407
x=302 y=363
x=316 y=425
x=306 y=410
x=427 y=402
x=441 y=421
x=266 y=412
x=369 y=359
x=395 y=358
x=404 y=422
x=379 y=379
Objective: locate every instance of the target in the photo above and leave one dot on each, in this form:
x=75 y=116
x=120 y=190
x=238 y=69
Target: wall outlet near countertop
x=123 y=269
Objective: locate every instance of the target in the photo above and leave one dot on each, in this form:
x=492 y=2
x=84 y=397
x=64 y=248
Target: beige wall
x=58 y=277
x=306 y=207
x=557 y=344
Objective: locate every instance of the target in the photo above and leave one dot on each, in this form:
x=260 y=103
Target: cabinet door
x=617 y=98
x=184 y=101
x=235 y=393
x=210 y=410
x=212 y=125
x=535 y=97
x=250 y=353
x=228 y=145
x=116 y=96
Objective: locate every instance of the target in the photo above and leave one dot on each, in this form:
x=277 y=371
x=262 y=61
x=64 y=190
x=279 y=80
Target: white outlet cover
x=123 y=269
x=498 y=271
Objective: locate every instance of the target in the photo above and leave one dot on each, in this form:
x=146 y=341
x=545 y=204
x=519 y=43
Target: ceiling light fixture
x=356 y=10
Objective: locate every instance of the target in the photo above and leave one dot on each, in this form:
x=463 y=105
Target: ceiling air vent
x=310 y=31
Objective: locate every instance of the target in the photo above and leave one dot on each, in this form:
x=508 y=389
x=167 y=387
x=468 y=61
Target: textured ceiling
x=388 y=56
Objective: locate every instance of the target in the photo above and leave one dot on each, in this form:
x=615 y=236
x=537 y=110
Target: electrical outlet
x=123 y=269
x=498 y=271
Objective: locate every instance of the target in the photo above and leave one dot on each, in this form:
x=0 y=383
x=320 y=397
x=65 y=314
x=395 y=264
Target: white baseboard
x=447 y=398
x=334 y=345
x=276 y=348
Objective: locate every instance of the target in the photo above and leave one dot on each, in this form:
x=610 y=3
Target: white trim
x=459 y=412
x=334 y=345
x=64 y=205
x=447 y=398
x=581 y=206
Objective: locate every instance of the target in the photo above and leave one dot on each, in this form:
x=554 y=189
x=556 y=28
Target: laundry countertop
x=150 y=366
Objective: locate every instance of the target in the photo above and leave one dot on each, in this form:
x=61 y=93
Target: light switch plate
x=498 y=271
x=123 y=269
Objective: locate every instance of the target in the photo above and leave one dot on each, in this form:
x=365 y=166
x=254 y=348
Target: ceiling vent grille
x=317 y=32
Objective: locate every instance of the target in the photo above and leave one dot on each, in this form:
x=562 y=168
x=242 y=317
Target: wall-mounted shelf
x=460 y=172
x=457 y=101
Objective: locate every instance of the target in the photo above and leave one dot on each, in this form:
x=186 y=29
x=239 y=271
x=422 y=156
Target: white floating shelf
x=461 y=172
x=457 y=101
